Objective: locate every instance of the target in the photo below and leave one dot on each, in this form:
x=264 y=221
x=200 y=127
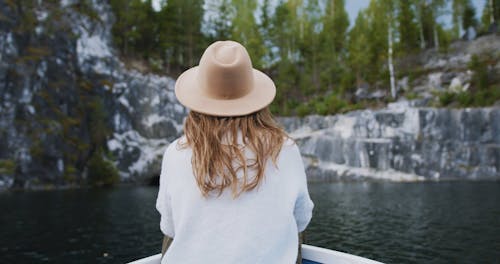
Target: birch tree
x=389 y=10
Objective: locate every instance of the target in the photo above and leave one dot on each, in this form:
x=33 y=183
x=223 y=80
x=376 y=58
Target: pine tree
x=183 y=40
x=245 y=30
x=265 y=31
x=377 y=40
x=358 y=51
x=495 y=7
x=333 y=40
x=420 y=8
x=469 y=16
x=284 y=70
x=220 y=27
x=407 y=27
x=310 y=48
x=436 y=11
x=491 y=13
x=458 y=7
x=487 y=17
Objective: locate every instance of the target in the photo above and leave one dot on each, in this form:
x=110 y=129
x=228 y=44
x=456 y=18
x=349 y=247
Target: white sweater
x=260 y=226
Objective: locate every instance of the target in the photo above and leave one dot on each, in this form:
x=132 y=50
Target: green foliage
x=465 y=99
x=98 y=126
x=479 y=68
x=358 y=40
x=303 y=110
x=458 y=12
x=491 y=13
x=469 y=16
x=483 y=91
x=245 y=30
x=34 y=54
x=332 y=44
x=445 y=38
x=101 y=172
x=70 y=174
x=172 y=35
x=407 y=27
x=84 y=7
x=470 y=99
x=7 y=166
x=306 y=47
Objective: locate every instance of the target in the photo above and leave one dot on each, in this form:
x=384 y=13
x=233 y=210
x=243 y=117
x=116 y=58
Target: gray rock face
x=49 y=72
x=144 y=112
x=401 y=143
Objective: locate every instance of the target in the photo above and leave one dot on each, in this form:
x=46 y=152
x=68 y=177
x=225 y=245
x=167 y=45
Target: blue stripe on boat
x=305 y=261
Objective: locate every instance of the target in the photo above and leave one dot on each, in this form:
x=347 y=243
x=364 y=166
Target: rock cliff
x=401 y=143
x=54 y=69
x=59 y=76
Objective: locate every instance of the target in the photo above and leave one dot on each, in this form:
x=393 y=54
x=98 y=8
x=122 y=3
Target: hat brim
x=189 y=94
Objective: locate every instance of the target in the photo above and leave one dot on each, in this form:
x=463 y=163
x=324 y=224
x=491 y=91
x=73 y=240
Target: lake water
x=447 y=222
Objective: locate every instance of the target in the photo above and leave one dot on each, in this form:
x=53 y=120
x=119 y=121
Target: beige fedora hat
x=225 y=83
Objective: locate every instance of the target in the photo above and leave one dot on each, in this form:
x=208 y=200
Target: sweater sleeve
x=303 y=205
x=163 y=203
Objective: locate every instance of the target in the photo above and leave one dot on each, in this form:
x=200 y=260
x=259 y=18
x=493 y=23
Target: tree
x=491 y=13
x=358 y=51
x=99 y=129
x=182 y=38
x=458 y=7
x=407 y=28
x=265 y=31
x=420 y=9
x=245 y=30
x=469 y=16
x=101 y=172
x=428 y=13
x=282 y=31
x=389 y=10
x=220 y=27
x=435 y=11
x=335 y=25
x=377 y=40
x=332 y=42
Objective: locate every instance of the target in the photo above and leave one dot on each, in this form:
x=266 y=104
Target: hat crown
x=225 y=71
x=226 y=54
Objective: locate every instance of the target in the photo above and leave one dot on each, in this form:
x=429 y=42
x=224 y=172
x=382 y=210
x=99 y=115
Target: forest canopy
x=315 y=56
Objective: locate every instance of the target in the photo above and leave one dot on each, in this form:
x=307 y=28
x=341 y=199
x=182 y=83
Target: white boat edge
x=327 y=256
x=321 y=255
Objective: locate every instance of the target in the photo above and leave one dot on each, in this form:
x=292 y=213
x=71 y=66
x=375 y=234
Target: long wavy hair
x=218 y=155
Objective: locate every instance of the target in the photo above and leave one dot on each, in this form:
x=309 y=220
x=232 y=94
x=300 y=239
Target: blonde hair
x=217 y=157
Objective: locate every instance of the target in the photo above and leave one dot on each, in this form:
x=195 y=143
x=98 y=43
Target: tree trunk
x=492 y=12
x=421 y=31
x=436 y=37
x=391 y=65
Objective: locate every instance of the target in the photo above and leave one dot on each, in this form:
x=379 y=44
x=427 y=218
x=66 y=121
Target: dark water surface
x=450 y=222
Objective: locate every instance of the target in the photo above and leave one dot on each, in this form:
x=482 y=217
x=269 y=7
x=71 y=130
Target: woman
x=233 y=188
